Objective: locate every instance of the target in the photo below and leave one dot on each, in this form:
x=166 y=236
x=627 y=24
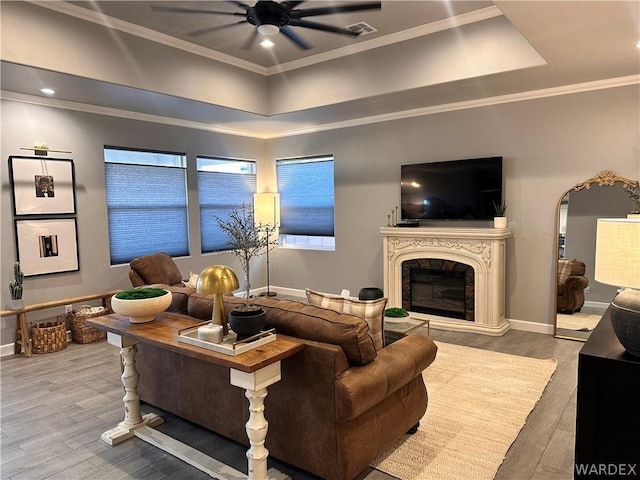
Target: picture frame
x=47 y=245
x=42 y=186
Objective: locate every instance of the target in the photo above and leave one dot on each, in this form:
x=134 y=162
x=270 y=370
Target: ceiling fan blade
x=250 y=42
x=295 y=38
x=290 y=5
x=203 y=31
x=163 y=8
x=312 y=12
x=323 y=27
x=239 y=4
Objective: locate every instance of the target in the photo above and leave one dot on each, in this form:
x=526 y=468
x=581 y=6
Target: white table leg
x=132 y=416
x=255 y=385
x=257 y=427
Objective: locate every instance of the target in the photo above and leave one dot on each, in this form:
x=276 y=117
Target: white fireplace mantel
x=482 y=248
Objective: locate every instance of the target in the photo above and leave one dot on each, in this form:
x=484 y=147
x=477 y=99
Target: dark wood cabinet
x=608 y=407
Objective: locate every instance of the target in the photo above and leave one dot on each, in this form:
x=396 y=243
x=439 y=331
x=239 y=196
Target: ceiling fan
x=270 y=18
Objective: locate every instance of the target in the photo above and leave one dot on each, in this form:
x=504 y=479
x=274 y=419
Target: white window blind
x=146 y=203
x=306 y=196
x=223 y=184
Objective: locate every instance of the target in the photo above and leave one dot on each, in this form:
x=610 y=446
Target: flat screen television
x=453 y=190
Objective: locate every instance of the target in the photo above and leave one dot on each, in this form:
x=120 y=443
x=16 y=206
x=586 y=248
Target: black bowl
x=370 y=293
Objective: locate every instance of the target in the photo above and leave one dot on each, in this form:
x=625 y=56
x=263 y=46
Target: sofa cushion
x=310 y=322
x=371 y=311
x=179 y=297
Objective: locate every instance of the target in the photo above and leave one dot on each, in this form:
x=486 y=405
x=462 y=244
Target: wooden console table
x=253 y=371
x=22 y=339
x=607 y=419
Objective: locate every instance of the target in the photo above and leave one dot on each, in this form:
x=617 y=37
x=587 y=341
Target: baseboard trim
x=527 y=326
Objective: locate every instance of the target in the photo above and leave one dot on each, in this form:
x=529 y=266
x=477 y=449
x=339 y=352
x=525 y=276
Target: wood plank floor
x=54 y=407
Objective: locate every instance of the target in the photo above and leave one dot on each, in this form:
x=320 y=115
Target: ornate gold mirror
x=580 y=301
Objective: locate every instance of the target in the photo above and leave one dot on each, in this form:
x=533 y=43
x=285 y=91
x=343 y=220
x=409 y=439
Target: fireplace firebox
x=438 y=287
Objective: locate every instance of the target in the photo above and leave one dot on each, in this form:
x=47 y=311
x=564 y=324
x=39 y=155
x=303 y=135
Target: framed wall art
x=47 y=246
x=42 y=186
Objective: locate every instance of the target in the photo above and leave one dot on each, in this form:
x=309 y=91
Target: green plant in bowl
x=396 y=312
x=141 y=305
x=140 y=293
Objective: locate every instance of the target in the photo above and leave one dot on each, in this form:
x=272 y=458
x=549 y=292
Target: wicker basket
x=47 y=337
x=80 y=333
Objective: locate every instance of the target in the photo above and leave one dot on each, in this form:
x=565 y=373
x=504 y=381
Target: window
x=223 y=184
x=146 y=203
x=306 y=202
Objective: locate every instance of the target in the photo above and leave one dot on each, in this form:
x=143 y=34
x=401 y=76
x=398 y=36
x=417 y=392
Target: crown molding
x=146 y=33
x=411 y=33
x=117 y=112
x=468 y=104
x=270 y=134
x=154 y=36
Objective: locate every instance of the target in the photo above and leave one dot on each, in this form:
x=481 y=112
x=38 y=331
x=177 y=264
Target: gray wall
x=548 y=145
x=85 y=135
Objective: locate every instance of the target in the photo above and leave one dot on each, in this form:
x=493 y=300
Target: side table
x=398 y=328
x=607 y=420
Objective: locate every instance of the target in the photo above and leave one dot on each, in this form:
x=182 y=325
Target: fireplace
x=424 y=269
x=438 y=287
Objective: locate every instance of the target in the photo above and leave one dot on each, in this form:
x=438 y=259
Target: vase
x=247 y=324
x=499 y=222
x=370 y=293
x=141 y=310
x=15 y=304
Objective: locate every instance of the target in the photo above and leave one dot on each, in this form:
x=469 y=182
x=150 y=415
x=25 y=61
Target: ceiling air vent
x=362 y=28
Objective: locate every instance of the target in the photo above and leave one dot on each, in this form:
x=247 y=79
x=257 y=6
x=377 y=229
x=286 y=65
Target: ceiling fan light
x=266 y=43
x=267 y=29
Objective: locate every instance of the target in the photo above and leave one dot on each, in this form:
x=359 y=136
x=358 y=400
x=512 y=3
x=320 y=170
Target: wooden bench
x=22 y=339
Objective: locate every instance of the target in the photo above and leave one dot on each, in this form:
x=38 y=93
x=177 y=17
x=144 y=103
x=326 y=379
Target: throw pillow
x=371 y=311
x=193 y=280
x=564 y=270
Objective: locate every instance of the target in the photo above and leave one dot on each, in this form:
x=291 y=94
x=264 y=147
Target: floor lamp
x=266 y=211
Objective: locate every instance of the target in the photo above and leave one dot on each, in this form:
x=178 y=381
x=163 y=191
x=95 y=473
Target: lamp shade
x=217 y=279
x=266 y=208
x=618 y=252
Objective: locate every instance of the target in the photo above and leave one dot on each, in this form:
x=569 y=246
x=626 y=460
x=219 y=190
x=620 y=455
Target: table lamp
x=217 y=279
x=618 y=264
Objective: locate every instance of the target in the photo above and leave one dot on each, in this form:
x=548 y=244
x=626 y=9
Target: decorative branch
x=246 y=239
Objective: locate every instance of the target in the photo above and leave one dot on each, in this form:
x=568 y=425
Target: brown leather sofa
x=571 y=287
x=339 y=404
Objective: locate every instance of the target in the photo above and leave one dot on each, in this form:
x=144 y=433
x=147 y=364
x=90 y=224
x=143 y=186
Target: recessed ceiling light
x=48 y=91
x=266 y=43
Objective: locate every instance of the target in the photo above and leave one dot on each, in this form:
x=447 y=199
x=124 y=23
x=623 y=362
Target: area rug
x=478 y=402
x=584 y=322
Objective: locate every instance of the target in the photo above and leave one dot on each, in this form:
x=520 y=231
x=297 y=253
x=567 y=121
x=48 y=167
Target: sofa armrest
x=360 y=388
x=575 y=283
x=136 y=280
